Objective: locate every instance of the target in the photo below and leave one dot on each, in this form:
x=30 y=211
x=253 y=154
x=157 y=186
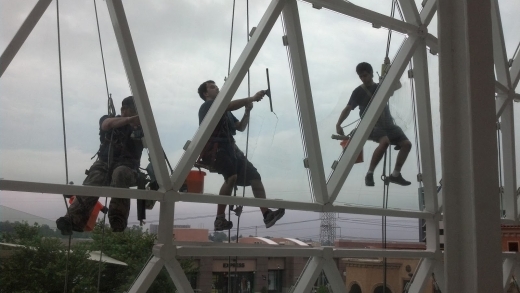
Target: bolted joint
x=252 y=32
x=422 y=31
x=187 y=144
x=164 y=251
x=328 y=253
x=306 y=163
x=285 y=41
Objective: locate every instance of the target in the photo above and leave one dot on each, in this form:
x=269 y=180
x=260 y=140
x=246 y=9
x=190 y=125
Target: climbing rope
x=234 y=188
x=111 y=113
x=295 y=95
x=238 y=209
x=500 y=190
x=386 y=186
x=64 y=140
x=412 y=93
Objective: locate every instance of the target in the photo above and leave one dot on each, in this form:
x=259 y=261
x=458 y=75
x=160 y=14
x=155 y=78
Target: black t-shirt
x=225 y=128
x=124 y=147
x=361 y=98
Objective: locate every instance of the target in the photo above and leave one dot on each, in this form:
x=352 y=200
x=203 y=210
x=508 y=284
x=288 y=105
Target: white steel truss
x=414 y=49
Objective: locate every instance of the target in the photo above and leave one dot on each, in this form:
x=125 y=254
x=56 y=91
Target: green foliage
x=133 y=247
x=7 y=228
x=40 y=266
x=218 y=237
x=322 y=289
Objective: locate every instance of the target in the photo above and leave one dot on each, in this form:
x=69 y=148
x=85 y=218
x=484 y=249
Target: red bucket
x=195 y=181
x=344 y=143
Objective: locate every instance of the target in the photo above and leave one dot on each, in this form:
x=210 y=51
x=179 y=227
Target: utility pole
x=328 y=228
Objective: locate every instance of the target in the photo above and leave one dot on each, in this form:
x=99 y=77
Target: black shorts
x=394 y=133
x=231 y=161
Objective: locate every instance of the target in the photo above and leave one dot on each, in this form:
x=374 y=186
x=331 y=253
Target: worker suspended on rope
x=385 y=132
x=222 y=155
x=117 y=165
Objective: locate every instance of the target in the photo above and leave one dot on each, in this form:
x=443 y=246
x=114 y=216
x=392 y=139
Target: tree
x=218 y=237
x=39 y=266
x=133 y=247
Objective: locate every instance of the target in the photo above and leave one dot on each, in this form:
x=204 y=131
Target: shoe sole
x=399 y=183
x=218 y=230
x=276 y=218
x=64 y=227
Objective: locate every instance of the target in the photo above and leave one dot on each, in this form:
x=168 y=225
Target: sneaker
x=398 y=180
x=64 y=225
x=369 y=179
x=271 y=217
x=118 y=224
x=222 y=224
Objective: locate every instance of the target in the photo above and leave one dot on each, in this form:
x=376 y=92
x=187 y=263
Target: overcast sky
x=179 y=45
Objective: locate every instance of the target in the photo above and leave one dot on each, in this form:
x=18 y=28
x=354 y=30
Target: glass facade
x=240 y=282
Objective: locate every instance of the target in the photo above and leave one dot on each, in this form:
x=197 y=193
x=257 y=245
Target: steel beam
x=226 y=93
x=508 y=267
x=422 y=276
x=138 y=87
x=309 y=275
x=334 y=276
x=507 y=128
x=98 y=191
x=515 y=72
x=428 y=12
x=471 y=207
x=438 y=276
x=301 y=206
x=372 y=113
x=217 y=250
x=21 y=35
x=500 y=88
x=147 y=276
x=378 y=19
x=305 y=104
x=501 y=103
x=427 y=149
x=411 y=14
x=182 y=285
x=499 y=47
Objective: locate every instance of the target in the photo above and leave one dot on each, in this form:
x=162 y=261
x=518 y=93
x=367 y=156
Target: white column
x=469 y=153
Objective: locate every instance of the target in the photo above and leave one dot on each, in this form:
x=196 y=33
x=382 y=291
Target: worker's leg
x=378 y=154
x=397 y=137
x=119 y=208
x=225 y=164
x=79 y=211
